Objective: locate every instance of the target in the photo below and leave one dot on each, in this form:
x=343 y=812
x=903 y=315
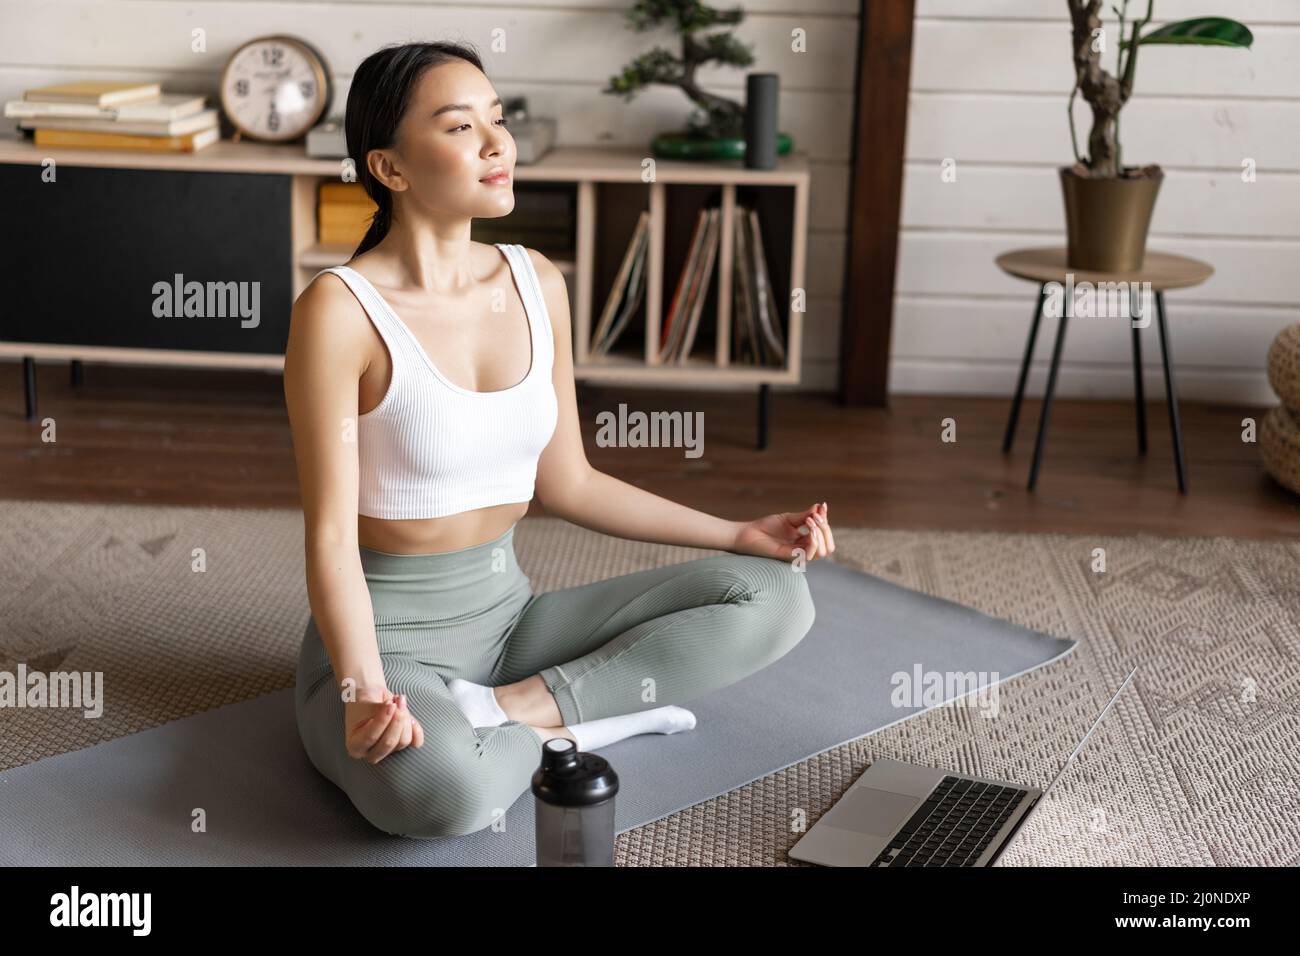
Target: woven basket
x=1279 y=446
x=1284 y=367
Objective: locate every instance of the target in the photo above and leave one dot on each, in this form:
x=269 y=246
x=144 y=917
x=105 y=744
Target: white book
x=97 y=92
x=189 y=124
x=167 y=106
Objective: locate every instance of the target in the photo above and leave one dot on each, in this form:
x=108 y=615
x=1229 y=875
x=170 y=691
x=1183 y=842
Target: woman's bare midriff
x=469 y=528
x=425 y=535
x=431 y=535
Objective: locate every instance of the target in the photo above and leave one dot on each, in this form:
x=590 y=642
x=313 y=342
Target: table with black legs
x=1047 y=267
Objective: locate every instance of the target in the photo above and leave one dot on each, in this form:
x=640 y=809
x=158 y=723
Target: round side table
x=1046 y=265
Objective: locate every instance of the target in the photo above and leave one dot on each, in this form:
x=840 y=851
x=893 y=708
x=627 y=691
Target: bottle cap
x=568 y=777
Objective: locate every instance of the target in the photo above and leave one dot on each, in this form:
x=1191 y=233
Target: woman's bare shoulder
x=326 y=291
x=327 y=316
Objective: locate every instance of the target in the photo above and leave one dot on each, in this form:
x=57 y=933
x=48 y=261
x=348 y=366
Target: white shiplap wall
x=559 y=54
x=990 y=81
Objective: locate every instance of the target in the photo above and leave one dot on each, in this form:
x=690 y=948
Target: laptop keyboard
x=953 y=826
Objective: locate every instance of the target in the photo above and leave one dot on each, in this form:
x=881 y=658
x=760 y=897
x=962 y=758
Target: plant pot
x=1106 y=220
x=688 y=145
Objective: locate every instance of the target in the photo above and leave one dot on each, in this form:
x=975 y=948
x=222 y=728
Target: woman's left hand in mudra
x=779 y=535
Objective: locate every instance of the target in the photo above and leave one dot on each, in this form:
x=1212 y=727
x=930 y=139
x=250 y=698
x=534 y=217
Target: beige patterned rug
x=187 y=609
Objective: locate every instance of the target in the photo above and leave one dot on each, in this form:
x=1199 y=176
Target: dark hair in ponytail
x=380 y=93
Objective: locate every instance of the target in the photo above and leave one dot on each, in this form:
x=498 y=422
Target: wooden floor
x=221 y=438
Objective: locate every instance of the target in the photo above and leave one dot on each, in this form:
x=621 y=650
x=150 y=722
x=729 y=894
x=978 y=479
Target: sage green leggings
x=629 y=643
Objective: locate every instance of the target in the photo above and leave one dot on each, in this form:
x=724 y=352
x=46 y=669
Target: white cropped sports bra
x=432 y=448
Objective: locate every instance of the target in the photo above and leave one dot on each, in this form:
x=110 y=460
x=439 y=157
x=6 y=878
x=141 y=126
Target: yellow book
x=344 y=214
x=344 y=193
x=346 y=223
x=98 y=92
x=189 y=143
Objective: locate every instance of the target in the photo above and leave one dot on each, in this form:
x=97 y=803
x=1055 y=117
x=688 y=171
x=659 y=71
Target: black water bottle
x=574 y=794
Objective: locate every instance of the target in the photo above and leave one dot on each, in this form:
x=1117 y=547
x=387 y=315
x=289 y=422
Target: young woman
x=429 y=384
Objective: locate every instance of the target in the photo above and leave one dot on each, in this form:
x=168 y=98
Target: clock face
x=274 y=88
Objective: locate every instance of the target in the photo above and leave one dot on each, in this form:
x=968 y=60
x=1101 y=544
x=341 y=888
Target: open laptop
x=901 y=814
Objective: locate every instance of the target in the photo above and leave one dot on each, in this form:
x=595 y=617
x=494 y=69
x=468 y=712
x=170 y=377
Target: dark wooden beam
x=875 y=199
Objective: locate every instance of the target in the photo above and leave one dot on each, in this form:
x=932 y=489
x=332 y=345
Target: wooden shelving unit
x=611 y=187
x=591 y=172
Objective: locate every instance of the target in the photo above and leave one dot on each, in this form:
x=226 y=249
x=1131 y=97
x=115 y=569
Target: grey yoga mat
x=130 y=801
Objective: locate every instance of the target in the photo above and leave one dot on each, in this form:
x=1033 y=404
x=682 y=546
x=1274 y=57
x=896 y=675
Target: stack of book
x=112 y=115
x=343 y=213
x=756 y=327
x=757 y=337
x=542 y=218
x=678 y=332
x=627 y=293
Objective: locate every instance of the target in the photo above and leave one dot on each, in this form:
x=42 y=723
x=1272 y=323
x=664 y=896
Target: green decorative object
x=690 y=146
x=1200 y=31
x=715 y=129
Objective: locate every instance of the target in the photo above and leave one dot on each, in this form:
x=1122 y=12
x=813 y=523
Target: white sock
x=477 y=702
x=592 y=734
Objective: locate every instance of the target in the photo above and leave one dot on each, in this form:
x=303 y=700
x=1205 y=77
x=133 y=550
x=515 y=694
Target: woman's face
x=450 y=139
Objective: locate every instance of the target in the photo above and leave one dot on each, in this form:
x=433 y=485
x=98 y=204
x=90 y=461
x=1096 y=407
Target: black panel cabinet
x=93 y=258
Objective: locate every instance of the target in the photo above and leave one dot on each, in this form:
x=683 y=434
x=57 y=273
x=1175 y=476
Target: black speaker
x=761 y=91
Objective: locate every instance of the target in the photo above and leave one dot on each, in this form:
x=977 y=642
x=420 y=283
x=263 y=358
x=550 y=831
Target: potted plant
x=715 y=130
x=1108 y=205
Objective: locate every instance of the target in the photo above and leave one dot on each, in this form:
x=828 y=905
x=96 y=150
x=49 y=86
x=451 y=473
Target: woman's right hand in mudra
x=375 y=728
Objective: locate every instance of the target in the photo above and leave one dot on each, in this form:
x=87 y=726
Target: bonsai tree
x=717 y=115
x=1107 y=94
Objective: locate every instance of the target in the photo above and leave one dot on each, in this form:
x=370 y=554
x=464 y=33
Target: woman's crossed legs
x=625 y=644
